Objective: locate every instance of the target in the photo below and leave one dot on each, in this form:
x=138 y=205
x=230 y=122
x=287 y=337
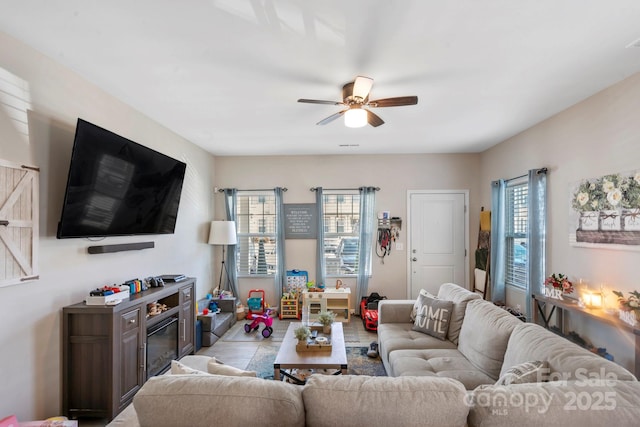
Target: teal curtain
x=281 y=270
x=537 y=220
x=320 y=261
x=230 y=198
x=498 y=229
x=367 y=229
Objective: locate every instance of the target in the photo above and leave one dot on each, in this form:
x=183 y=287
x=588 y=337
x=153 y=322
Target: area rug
x=237 y=333
x=357 y=360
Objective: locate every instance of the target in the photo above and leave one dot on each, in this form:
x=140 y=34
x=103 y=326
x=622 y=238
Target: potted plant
x=302 y=333
x=326 y=318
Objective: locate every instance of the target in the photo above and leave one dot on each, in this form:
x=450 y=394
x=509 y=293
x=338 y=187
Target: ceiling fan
x=355 y=96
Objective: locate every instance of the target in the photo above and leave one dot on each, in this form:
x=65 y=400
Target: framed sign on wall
x=300 y=221
x=605 y=211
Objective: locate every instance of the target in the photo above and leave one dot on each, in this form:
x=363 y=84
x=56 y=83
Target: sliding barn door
x=18 y=223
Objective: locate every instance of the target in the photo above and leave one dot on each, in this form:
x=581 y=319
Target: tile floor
x=238 y=354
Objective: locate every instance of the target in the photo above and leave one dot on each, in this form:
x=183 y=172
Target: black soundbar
x=105 y=249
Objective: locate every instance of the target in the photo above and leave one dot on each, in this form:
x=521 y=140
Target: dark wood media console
x=104 y=349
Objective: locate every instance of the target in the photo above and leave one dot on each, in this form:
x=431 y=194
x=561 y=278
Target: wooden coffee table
x=289 y=358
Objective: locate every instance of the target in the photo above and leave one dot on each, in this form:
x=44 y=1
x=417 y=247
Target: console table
x=539 y=303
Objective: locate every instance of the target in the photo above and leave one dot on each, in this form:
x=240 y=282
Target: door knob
x=414 y=259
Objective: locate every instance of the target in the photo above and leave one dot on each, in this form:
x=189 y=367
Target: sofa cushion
x=527 y=372
x=178 y=368
x=401 y=336
x=566 y=359
x=205 y=400
x=556 y=403
x=432 y=316
x=381 y=401
x=394 y=311
x=438 y=363
x=197 y=361
x=459 y=296
x=216 y=367
x=223 y=322
x=484 y=335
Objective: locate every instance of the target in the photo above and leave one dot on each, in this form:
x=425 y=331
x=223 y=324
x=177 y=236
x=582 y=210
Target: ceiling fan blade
x=362 y=87
x=318 y=101
x=331 y=117
x=373 y=119
x=394 y=102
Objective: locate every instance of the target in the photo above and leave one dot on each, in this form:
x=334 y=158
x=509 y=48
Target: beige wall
x=598 y=136
x=394 y=174
x=30 y=336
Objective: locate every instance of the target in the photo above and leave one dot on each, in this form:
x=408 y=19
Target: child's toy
x=369 y=311
x=261 y=318
x=255 y=303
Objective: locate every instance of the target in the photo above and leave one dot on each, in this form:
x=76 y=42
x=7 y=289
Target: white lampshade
x=355 y=118
x=223 y=233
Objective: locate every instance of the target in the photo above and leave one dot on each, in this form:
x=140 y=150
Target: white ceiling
x=226 y=74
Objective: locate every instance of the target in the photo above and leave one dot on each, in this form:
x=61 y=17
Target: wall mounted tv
x=117 y=187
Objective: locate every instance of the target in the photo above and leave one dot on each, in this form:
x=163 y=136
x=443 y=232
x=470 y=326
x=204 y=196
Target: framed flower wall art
x=605 y=211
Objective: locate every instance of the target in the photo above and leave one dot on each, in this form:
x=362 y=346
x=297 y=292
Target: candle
x=596 y=300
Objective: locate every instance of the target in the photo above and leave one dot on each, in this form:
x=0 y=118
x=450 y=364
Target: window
x=517 y=236
x=256 y=222
x=341 y=233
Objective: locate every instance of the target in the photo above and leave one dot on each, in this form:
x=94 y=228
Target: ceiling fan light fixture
x=355 y=118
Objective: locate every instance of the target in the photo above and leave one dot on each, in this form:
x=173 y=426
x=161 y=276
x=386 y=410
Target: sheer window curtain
x=498 y=235
x=280 y=278
x=367 y=227
x=537 y=220
x=230 y=199
x=320 y=261
x=536 y=251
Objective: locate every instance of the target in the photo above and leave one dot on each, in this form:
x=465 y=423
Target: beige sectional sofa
x=486 y=343
x=432 y=382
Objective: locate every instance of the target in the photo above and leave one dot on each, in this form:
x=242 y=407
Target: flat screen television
x=117 y=187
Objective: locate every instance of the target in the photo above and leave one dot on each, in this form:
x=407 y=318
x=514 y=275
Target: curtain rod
x=340 y=189
x=221 y=190
x=539 y=171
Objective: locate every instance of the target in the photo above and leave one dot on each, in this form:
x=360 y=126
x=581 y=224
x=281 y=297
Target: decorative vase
x=326 y=329
x=589 y=221
x=609 y=220
x=631 y=219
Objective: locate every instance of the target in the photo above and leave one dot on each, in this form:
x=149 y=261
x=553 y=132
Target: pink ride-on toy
x=261 y=318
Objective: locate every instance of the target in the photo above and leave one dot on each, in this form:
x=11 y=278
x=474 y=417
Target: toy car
x=369 y=311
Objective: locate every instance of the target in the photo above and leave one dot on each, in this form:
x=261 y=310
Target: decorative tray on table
x=318 y=344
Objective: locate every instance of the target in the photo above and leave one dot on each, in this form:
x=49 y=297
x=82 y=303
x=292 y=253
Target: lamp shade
x=355 y=118
x=223 y=233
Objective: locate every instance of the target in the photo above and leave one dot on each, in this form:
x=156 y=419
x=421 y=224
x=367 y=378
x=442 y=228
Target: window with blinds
x=516 y=235
x=256 y=224
x=341 y=233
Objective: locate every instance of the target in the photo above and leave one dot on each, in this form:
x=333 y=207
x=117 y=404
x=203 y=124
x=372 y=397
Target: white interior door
x=438 y=240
